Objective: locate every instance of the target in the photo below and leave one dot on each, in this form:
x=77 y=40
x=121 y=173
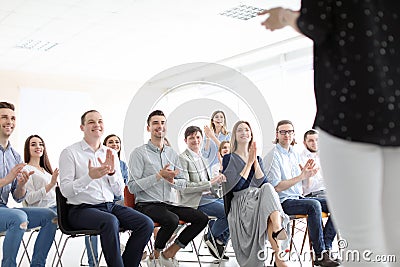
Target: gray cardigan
x=191 y=195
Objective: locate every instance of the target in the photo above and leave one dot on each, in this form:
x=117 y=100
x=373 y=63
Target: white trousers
x=363 y=189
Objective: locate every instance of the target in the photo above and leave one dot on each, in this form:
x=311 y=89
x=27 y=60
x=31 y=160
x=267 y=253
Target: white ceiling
x=127 y=39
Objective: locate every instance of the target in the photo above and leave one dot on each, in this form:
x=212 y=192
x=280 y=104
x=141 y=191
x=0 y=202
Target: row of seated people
x=90 y=178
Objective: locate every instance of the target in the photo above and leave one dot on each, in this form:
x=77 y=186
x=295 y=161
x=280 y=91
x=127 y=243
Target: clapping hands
x=105 y=167
x=168 y=174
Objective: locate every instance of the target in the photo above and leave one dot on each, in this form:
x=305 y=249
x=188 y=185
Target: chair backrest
x=129 y=198
x=62 y=212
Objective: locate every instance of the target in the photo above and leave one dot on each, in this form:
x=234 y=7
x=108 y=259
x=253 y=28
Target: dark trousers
x=313 y=207
x=108 y=218
x=168 y=217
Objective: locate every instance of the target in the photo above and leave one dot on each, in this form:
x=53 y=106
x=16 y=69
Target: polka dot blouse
x=356 y=67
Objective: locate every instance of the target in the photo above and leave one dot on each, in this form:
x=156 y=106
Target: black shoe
x=279 y=235
x=215 y=251
x=211 y=248
x=334 y=258
x=325 y=260
x=221 y=250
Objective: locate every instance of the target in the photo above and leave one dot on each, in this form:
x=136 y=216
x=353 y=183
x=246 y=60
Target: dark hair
x=120 y=143
x=233 y=138
x=309 y=132
x=212 y=125
x=222 y=145
x=191 y=130
x=7 y=105
x=44 y=161
x=154 y=113
x=83 y=117
x=166 y=141
x=283 y=122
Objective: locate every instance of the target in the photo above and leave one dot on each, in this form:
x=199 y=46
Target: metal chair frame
x=66 y=229
x=129 y=201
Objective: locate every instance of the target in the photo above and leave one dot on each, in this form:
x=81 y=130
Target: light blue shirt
x=211 y=154
x=144 y=164
x=9 y=158
x=281 y=165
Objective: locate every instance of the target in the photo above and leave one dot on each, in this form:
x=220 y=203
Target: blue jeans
x=11 y=220
x=91 y=261
x=108 y=218
x=321 y=239
x=213 y=206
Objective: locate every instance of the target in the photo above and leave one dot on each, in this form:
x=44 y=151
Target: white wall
x=51 y=106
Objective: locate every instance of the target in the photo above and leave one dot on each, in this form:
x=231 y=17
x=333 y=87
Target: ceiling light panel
x=37 y=45
x=243 y=12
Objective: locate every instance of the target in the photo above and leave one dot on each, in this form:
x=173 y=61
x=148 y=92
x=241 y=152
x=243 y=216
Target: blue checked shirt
x=9 y=158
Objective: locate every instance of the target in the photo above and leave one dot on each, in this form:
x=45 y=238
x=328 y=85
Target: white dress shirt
x=316 y=181
x=36 y=195
x=75 y=182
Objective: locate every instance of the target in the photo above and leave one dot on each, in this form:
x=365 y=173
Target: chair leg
x=63 y=248
x=83 y=255
x=57 y=249
x=96 y=261
x=196 y=251
x=291 y=240
x=26 y=245
x=62 y=251
x=304 y=240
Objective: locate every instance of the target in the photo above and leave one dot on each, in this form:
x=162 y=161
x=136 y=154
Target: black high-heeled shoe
x=279 y=235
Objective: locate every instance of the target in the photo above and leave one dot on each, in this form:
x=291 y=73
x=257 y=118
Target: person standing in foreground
x=357 y=90
x=90 y=176
x=17 y=220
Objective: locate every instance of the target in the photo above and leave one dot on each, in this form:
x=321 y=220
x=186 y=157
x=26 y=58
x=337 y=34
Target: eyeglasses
x=284 y=132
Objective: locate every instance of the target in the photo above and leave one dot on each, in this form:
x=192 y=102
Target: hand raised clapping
x=309 y=169
x=168 y=174
x=105 y=167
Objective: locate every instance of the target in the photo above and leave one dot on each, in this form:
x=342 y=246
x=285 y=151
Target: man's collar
x=86 y=146
x=282 y=149
x=8 y=146
x=154 y=147
x=194 y=154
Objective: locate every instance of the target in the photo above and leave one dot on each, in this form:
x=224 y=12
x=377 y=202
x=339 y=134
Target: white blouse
x=36 y=195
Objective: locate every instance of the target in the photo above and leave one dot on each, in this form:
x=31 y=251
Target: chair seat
x=81 y=232
x=302 y=216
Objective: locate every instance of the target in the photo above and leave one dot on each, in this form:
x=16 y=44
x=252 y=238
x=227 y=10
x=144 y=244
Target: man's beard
x=312 y=150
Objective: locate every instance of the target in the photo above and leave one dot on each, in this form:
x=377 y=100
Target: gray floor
x=73 y=254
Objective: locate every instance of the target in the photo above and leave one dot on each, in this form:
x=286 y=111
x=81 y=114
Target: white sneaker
x=122 y=248
x=171 y=262
x=153 y=262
